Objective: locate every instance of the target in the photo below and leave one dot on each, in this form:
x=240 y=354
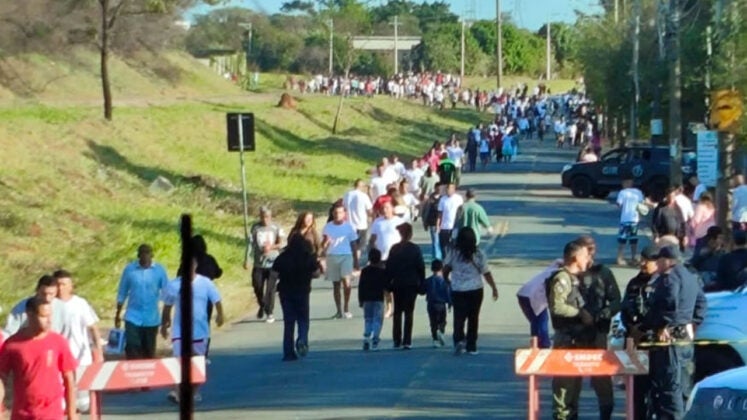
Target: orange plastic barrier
x=124 y=375
x=535 y=362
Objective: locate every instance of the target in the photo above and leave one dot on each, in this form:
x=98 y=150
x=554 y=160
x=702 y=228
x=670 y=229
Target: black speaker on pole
x=247 y=128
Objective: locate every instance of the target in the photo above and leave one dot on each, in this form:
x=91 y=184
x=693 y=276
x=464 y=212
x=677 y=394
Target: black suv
x=648 y=165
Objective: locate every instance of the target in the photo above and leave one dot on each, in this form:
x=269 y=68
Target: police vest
x=575 y=299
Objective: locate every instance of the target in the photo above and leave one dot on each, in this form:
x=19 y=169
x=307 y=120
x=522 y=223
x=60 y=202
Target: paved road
x=337 y=380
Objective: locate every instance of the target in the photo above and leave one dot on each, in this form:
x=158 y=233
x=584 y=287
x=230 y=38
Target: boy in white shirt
x=628 y=199
x=79 y=329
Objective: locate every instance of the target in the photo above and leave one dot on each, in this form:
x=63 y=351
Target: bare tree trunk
x=104 y=49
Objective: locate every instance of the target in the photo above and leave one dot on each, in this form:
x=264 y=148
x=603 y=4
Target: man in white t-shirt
x=448 y=211
x=413 y=177
x=739 y=204
x=384 y=235
x=628 y=200
x=359 y=208
x=456 y=154
x=203 y=291
x=79 y=329
x=379 y=183
x=340 y=246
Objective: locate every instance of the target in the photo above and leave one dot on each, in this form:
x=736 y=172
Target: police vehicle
x=721 y=396
x=723 y=334
x=649 y=166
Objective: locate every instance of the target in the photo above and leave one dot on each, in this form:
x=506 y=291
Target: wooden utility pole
x=499 y=46
x=617 y=11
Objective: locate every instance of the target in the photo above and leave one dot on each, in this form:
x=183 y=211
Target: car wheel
x=581 y=186
x=710 y=360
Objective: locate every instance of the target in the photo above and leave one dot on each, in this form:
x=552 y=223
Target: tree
x=111 y=12
x=563 y=40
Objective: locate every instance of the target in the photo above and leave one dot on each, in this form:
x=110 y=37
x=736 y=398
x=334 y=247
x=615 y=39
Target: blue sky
x=530 y=14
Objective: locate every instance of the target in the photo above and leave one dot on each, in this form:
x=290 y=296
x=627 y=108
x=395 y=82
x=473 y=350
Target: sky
x=530 y=14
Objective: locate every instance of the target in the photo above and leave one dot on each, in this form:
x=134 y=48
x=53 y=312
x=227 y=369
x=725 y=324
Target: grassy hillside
x=74 y=189
x=74 y=77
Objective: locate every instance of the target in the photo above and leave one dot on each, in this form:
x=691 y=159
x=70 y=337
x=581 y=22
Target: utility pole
x=396 y=40
x=461 y=68
x=499 y=46
x=636 y=76
x=331 y=24
x=675 y=95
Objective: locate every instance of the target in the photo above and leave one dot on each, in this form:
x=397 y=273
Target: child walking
x=438 y=296
x=371 y=287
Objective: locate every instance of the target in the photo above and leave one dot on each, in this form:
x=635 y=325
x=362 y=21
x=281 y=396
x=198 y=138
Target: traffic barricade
x=124 y=375
x=535 y=362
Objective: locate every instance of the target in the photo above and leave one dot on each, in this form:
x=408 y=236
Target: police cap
x=650 y=253
x=670 y=252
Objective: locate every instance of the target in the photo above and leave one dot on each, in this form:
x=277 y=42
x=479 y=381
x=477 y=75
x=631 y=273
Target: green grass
x=74 y=189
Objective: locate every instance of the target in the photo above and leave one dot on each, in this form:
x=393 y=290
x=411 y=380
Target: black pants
x=264 y=289
x=602 y=385
x=566 y=390
x=467 y=309
x=404 y=304
x=640 y=394
x=444 y=241
x=140 y=341
x=665 y=371
x=437 y=318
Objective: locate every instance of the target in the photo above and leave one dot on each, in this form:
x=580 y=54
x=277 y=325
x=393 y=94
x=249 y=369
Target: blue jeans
x=537 y=323
x=373 y=316
x=295 y=311
x=665 y=371
x=435 y=243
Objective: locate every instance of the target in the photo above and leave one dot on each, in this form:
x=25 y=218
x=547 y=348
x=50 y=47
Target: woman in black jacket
x=295 y=267
x=406 y=269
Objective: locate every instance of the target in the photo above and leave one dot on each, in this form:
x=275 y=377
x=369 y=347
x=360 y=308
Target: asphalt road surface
x=247 y=380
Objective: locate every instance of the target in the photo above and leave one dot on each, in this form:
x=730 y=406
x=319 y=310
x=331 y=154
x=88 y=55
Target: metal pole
x=461 y=68
x=331 y=48
x=396 y=50
x=675 y=96
x=499 y=46
x=243 y=177
x=186 y=402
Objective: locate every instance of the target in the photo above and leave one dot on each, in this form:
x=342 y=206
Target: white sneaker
x=173 y=396
x=197 y=397
x=459 y=348
x=270 y=319
x=436 y=344
x=441 y=340
x=348 y=315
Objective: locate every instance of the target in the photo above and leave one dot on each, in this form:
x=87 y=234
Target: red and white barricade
x=122 y=375
x=534 y=362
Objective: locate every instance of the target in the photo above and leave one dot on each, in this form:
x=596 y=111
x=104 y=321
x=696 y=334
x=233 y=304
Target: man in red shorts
x=36 y=358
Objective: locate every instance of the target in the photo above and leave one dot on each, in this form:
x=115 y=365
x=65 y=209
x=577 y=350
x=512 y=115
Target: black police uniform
x=565 y=302
x=671 y=306
x=602 y=296
x=632 y=310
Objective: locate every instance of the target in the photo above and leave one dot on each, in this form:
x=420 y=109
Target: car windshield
x=615 y=156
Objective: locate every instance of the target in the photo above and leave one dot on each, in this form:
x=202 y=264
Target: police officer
x=572 y=323
x=633 y=308
x=602 y=296
x=671 y=311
